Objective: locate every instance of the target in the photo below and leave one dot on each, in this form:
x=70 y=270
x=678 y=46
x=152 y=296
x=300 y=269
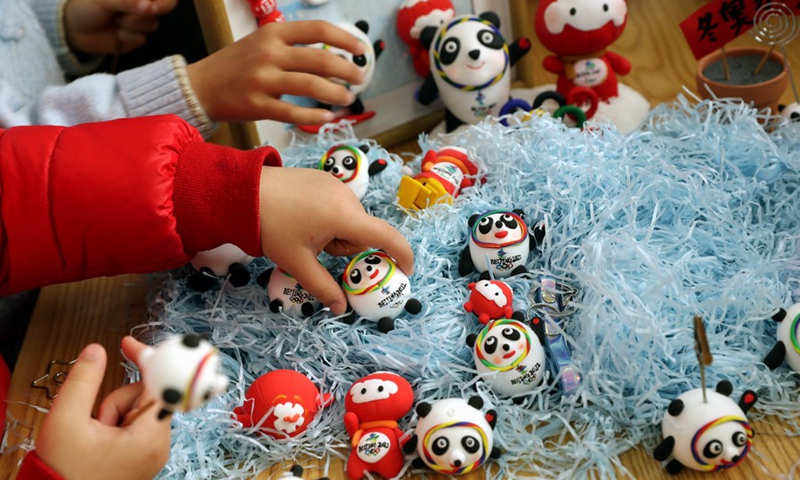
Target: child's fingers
x=130 y=40
x=319 y=31
x=368 y=230
x=119 y=403
x=137 y=23
x=140 y=7
x=317 y=281
x=343 y=248
x=76 y=396
x=307 y=85
x=322 y=63
x=288 y=113
x=132 y=348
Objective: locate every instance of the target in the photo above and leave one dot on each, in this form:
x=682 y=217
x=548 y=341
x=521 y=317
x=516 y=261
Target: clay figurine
x=444 y=174
x=182 y=373
x=453 y=436
x=349 y=163
x=266 y=11
x=211 y=265
x=285 y=294
x=281 y=404
x=490 y=300
x=412 y=17
x=788 y=345
x=373 y=406
x=470 y=68
x=377 y=290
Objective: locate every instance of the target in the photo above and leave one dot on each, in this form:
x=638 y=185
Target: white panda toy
x=470 y=67
x=365 y=62
x=501 y=236
x=182 y=372
x=509 y=354
x=377 y=290
x=791 y=112
x=788 y=345
x=285 y=294
x=453 y=436
x=349 y=163
x=706 y=435
x=296 y=473
x=211 y=265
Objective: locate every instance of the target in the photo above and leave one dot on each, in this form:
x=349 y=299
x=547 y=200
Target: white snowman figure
x=349 y=163
x=285 y=294
x=453 y=436
x=502 y=237
x=706 y=434
x=211 y=265
x=788 y=345
x=182 y=373
x=470 y=68
x=509 y=355
x=377 y=290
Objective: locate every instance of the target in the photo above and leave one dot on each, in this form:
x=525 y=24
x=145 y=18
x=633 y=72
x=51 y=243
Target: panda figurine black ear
x=471 y=340
x=472 y=219
x=780 y=315
x=519 y=212
x=423 y=409
x=491 y=17
x=724 y=387
x=363 y=26
x=364 y=148
x=426 y=36
x=475 y=402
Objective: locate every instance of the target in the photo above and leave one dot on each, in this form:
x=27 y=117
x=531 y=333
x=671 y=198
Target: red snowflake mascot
x=373 y=406
x=266 y=11
x=578 y=32
x=413 y=16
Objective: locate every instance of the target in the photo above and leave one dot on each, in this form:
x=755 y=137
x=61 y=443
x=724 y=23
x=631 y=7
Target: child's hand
x=244 y=81
x=77 y=446
x=305 y=211
x=95 y=26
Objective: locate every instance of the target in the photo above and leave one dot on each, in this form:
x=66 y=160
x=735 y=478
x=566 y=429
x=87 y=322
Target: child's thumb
x=78 y=393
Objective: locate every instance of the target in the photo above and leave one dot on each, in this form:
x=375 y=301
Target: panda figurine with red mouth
x=470 y=68
x=787 y=347
x=509 y=355
x=453 y=436
x=349 y=163
x=502 y=237
x=377 y=290
x=706 y=434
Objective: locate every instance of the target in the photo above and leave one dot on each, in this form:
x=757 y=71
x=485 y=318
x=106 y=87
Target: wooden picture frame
x=398 y=117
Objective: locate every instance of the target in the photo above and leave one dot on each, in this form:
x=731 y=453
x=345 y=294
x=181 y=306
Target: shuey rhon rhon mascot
x=373 y=406
x=490 y=300
x=266 y=11
x=412 y=17
x=470 y=68
x=285 y=294
x=211 y=265
x=444 y=174
x=509 y=354
x=282 y=404
x=578 y=32
x=453 y=436
x=788 y=345
x=349 y=163
x=182 y=373
x=377 y=289
x=500 y=237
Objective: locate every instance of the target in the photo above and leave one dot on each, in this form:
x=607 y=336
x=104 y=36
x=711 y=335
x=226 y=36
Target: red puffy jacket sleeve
x=125 y=196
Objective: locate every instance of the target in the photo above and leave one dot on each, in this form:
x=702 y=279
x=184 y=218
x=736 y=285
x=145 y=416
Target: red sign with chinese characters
x=720 y=21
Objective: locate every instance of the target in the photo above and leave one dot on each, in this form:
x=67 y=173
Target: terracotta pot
x=761 y=95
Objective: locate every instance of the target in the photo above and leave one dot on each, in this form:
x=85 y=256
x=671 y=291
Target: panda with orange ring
x=706 y=435
x=377 y=290
x=501 y=236
x=787 y=347
x=349 y=163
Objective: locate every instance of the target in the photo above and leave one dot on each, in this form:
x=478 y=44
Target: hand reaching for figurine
x=96 y=26
x=245 y=81
x=305 y=211
x=76 y=445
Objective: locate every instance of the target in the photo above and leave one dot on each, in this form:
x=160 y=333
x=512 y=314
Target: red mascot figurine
x=490 y=300
x=445 y=173
x=282 y=403
x=373 y=406
x=578 y=32
x=266 y=11
x=413 y=16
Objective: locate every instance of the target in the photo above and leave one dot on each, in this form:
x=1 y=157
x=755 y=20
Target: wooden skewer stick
x=764 y=60
x=725 y=66
x=703 y=352
x=129 y=419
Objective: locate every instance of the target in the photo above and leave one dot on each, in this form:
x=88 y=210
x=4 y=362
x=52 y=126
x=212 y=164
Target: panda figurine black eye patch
x=470 y=67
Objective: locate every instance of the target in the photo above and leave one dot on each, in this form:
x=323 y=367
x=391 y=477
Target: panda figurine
x=349 y=163
x=470 y=66
x=503 y=237
x=510 y=354
x=791 y=112
x=285 y=294
x=296 y=473
x=182 y=372
x=706 y=435
x=211 y=265
x=453 y=436
x=490 y=300
x=788 y=346
x=377 y=290
x=365 y=62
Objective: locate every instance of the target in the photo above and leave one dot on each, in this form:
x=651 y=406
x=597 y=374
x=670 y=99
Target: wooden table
x=70 y=316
